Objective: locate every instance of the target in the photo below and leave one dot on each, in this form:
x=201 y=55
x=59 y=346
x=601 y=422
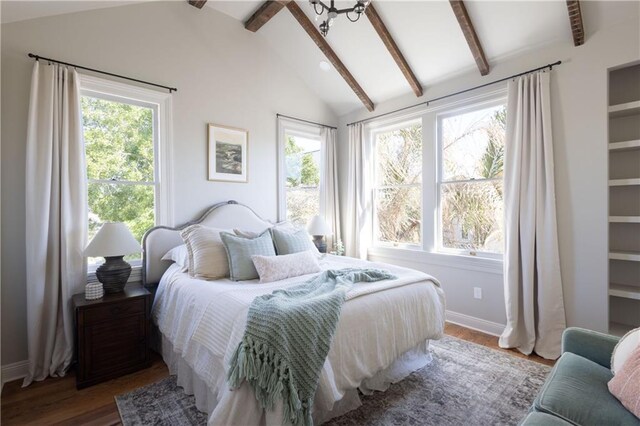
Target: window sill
x=492 y=266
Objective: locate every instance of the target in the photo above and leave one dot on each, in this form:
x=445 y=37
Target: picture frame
x=228 y=153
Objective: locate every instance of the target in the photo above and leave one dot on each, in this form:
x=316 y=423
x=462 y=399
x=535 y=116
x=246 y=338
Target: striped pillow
x=207 y=256
x=625 y=385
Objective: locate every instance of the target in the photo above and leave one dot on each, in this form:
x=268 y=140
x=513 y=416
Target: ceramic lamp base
x=318 y=240
x=113 y=274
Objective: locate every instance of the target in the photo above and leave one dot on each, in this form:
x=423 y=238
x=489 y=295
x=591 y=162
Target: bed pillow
x=179 y=255
x=291 y=242
x=625 y=385
x=275 y=268
x=284 y=226
x=207 y=256
x=239 y=251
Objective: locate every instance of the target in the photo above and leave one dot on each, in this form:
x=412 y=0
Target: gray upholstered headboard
x=159 y=240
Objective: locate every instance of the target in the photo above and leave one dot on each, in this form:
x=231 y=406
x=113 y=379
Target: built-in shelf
x=633 y=256
x=625 y=145
x=624 y=182
x=622 y=110
x=626 y=291
x=624 y=219
x=618 y=329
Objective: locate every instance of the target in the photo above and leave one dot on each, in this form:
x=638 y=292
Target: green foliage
x=309 y=174
x=303 y=178
x=119 y=147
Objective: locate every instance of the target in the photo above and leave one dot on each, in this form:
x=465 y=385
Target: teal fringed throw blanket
x=287 y=339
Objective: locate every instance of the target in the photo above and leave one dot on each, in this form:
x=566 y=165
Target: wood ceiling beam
x=265 y=12
x=197 y=3
x=393 y=49
x=575 y=21
x=469 y=32
x=319 y=40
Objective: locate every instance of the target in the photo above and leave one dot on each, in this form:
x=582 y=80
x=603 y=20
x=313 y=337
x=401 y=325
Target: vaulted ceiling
x=426 y=33
x=429 y=37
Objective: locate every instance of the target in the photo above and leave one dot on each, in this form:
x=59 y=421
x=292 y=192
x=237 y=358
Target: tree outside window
x=398 y=185
x=471 y=185
x=119 y=149
x=302 y=162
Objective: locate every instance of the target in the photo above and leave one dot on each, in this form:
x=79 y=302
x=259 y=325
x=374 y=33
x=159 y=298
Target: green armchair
x=576 y=392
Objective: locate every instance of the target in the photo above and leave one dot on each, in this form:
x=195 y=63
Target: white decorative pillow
x=624 y=349
x=275 y=268
x=179 y=255
x=207 y=255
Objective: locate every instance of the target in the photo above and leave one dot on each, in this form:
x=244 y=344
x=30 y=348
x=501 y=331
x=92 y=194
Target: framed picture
x=227 y=153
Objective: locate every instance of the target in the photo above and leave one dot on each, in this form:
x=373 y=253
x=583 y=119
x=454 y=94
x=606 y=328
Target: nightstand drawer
x=114 y=311
x=111 y=346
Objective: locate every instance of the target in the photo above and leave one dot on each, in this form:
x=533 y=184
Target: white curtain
x=359 y=209
x=532 y=282
x=330 y=204
x=55 y=218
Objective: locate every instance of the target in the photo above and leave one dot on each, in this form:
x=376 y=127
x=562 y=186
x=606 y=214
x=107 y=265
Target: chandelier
x=332 y=13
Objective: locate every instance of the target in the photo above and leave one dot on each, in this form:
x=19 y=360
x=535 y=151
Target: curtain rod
x=37 y=58
x=305 y=121
x=550 y=66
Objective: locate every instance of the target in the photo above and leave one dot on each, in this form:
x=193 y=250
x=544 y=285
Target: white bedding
x=204 y=322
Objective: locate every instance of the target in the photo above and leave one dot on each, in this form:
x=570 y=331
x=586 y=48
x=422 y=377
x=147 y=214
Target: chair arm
x=589 y=344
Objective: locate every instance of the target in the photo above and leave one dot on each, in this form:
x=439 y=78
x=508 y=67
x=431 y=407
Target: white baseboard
x=478 y=324
x=15 y=371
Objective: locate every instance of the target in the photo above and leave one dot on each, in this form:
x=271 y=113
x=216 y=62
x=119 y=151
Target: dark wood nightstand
x=112 y=335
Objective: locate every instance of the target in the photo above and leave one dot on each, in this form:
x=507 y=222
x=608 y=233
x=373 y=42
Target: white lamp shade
x=318 y=226
x=112 y=239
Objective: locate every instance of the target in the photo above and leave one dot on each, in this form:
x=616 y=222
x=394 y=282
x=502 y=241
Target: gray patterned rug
x=466 y=384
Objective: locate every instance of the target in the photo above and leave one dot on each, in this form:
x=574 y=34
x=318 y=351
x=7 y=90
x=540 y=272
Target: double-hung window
x=126 y=151
x=397 y=189
x=470 y=180
x=300 y=171
x=438 y=180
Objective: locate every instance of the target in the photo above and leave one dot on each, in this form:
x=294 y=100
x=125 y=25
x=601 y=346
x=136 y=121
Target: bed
x=382 y=336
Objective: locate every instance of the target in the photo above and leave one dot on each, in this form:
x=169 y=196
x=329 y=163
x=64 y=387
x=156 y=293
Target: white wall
x=579 y=108
x=224 y=74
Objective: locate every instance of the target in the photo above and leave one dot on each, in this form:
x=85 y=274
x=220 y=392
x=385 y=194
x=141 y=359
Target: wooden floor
x=57 y=402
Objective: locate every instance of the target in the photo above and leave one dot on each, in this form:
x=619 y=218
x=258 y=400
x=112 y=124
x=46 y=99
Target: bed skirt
x=207 y=398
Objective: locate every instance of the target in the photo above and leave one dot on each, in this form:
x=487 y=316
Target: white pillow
x=275 y=268
x=624 y=348
x=207 y=256
x=283 y=226
x=179 y=255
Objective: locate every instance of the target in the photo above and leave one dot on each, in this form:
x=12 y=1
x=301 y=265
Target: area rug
x=465 y=384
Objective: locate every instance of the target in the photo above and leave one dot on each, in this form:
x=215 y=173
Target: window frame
x=374 y=131
x=161 y=104
x=308 y=131
x=441 y=115
x=428 y=252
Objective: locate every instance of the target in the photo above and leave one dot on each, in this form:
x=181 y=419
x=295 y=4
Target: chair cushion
x=542 y=419
x=576 y=391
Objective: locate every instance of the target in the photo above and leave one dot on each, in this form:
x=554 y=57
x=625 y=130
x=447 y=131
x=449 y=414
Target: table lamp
x=113 y=241
x=318 y=228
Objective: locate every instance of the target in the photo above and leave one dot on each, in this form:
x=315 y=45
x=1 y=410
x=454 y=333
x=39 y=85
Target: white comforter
x=380 y=321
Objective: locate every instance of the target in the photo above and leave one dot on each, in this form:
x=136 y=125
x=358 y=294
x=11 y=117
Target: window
x=398 y=184
x=470 y=181
x=300 y=172
x=122 y=136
